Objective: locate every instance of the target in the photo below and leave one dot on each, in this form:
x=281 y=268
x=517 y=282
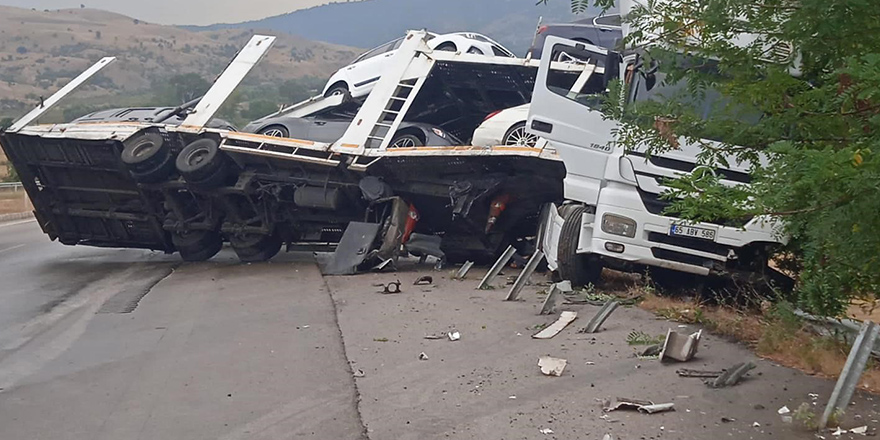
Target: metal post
x=465 y=268
x=523 y=277
x=600 y=317
x=550 y=301
x=852 y=371
x=496 y=268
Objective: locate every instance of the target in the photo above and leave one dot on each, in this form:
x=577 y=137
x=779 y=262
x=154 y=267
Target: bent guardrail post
x=496 y=268
x=852 y=371
x=523 y=277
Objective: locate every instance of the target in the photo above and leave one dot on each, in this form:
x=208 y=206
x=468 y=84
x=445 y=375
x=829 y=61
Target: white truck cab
x=614 y=214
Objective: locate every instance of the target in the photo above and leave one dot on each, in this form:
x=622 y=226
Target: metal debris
x=423 y=356
x=860 y=430
x=684 y=372
x=756 y=425
x=454 y=335
x=359 y=373
x=652 y=352
x=392 y=287
x=783 y=411
x=496 y=268
x=424 y=281
x=679 y=347
x=731 y=376
x=523 y=277
x=385 y=264
x=552 y=330
x=465 y=268
x=600 y=317
x=838 y=432
x=434 y=337
x=551 y=366
x=546 y=431
x=644 y=406
x=852 y=371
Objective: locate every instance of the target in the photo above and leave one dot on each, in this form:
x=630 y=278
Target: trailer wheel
x=145 y=152
x=201 y=163
x=197 y=245
x=252 y=248
x=580 y=269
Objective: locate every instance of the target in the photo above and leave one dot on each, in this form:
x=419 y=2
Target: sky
x=179 y=11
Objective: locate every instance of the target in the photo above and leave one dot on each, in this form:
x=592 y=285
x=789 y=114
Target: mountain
x=42 y=50
x=370 y=23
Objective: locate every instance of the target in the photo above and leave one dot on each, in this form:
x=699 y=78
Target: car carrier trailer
x=190 y=189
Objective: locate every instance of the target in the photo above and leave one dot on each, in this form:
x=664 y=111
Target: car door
x=566 y=110
x=326 y=129
x=368 y=69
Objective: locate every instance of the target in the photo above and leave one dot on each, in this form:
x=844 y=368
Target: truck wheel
x=157 y=174
x=580 y=269
x=145 y=152
x=252 y=248
x=201 y=163
x=197 y=245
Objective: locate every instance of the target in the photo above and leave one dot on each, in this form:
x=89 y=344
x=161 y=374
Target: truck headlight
x=618 y=225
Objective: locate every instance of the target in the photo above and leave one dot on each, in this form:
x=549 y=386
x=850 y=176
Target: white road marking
x=3 y=225
x=11 y=248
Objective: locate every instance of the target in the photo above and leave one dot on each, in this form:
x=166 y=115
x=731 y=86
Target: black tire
x=447 y=47
x=145 y=152
x=201 y=161
x=580 y=269
x=337 y=89
x=197 y=245
x=510 y=132
x=157 y=174
x=406 y=140
x=252 y=248
x=276 y=131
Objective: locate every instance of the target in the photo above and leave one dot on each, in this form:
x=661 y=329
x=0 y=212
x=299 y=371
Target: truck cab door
x=566 y=111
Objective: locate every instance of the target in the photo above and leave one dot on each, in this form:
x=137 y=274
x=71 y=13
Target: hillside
x=372 y=22
x=41 y=50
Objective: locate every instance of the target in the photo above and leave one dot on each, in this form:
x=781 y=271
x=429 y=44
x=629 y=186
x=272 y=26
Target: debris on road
x=860 y=430
x=756 y=425
x=839 y=432
x=465 y=268
x=652 y=352
x=643 y=406
x=359 y=373
x=435 y=337
x=564 y=319
x=600 y=317
x=424 y=281
x=679 y=347
x=783 y=411
x=551 y=366
x=727 y=420
x=392 y=287
x=685 y=372
x=607 y=437
x=731 y=376
x=546 y=431
x=454 y=335
x=423 y=356
x=512 y=397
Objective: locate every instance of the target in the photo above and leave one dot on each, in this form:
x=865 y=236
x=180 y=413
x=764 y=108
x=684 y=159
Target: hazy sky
x=179 y=11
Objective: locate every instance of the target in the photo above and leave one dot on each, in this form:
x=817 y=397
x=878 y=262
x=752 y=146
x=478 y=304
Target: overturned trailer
x=190 y=189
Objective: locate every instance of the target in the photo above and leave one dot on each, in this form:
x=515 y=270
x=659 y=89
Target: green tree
x=5 y=123
x=298 y=89
x=257 y=109
x=819 y=128
x=179 y=89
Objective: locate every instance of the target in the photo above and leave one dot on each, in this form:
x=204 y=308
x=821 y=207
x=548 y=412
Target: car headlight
x=619 y=225
x=438 y=132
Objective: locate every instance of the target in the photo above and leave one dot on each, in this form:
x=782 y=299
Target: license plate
x=692 y=231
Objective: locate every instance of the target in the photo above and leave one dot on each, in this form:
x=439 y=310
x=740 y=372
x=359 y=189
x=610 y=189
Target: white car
x=505 y=127
x=359 y=77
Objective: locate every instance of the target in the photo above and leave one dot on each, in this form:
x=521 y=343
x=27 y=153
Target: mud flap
x=353 y=249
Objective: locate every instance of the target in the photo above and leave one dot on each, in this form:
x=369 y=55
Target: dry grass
x=773 y=332
x=14 y=202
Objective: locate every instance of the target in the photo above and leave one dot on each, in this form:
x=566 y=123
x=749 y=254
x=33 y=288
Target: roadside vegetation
x=809 y=89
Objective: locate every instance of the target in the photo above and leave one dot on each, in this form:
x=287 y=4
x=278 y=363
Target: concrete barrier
x=16 y=216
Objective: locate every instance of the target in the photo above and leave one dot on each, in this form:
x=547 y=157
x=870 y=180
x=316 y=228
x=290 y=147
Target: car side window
x=498 y=52
x=379 y=50
x=475 y=50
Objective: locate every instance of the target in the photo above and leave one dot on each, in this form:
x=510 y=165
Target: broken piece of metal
x=384 y=264
x=423 y=356
x=679 y=347
x=600 y=317
x=852 y=371
x=684 y=372
x=564 y=319
x=550 y=300
x=551 y=366
x=392 y=287
x=465 y=268
x=454 y=335
x=496 y=268
x=731 y=376
x=359 y=373
x=523 y=277
x=424 y=281
x=353 y=248
x=644 y=406
x=652 y=352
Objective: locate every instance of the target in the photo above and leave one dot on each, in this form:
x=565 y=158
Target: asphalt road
x=127 y=344
x=215 y=350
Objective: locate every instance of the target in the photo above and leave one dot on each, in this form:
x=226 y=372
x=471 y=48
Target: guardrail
x=14 y=199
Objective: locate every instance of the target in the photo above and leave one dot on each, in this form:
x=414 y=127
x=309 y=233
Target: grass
x=772 y=330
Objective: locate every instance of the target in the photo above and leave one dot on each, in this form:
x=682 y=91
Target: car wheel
x=337 y=89
x=252 y=248
x=275 y=131
x=201 y=163
x=580 y=269
x=197 y=245
x=447 y=47
x=406 y=140
x=517 y=135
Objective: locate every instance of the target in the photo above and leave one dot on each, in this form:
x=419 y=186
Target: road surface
x=129 y=344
